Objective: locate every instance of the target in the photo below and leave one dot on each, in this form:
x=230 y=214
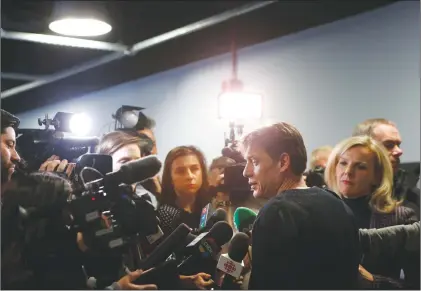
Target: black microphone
x=131 y=172
x=202 y=251
x=167 y=247
x=231 y=264
x=211 y=218
x=219 y=215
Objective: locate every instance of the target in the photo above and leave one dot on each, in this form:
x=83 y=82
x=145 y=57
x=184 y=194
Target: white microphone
x=231 y=264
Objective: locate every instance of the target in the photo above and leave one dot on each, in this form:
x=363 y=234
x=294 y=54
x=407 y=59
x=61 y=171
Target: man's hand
x=126 y=282
x=53 y=164
x=199 y=281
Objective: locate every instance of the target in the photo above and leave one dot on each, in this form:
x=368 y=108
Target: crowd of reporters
x=359 y=229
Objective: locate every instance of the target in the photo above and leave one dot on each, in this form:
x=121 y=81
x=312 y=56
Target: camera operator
x=9 y=155
x=152 y=185
x=320 y=156
x=38 y=250
x=318 y=161
x=124 y=147
x=145 y=126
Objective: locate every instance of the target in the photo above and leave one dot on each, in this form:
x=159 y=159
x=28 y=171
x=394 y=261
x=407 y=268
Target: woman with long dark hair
x=185 y=188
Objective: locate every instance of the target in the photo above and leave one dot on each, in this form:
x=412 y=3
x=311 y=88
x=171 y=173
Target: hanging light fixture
x=79 y=18
x=234 y=103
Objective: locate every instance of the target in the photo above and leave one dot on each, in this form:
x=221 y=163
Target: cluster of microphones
x=189 y=251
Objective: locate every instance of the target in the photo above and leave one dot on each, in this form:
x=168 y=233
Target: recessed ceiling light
x=80 y=27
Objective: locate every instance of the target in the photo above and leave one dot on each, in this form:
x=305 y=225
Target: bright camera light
x=80 y=27
x=80 y=124
x=240 y=105
x=129 y=119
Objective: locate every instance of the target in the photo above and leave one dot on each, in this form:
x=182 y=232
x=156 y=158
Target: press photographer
x=9 y=156
x=38 y=250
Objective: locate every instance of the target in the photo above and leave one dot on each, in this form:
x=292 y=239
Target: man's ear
x=284 y=162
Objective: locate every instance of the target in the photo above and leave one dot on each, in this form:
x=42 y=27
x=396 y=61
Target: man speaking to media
x=303 y=238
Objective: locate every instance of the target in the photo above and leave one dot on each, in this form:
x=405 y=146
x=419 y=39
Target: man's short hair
x=367 y=127
x=144 y=122
x=8 y=120
x=278 y=139
x=316 y=152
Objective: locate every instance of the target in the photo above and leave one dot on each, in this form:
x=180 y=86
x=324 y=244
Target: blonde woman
x=359 y=170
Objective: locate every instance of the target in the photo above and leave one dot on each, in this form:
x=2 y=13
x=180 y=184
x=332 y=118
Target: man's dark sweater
x=305 y=239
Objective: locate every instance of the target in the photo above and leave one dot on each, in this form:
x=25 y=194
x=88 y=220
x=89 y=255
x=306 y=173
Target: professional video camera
x=107 y=211
x=315 y=177
x=234 y=181
x=37 y=145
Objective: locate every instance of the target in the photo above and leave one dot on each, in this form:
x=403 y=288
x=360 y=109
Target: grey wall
x=323 y=80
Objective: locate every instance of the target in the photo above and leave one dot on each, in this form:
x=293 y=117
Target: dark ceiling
x=134 y=21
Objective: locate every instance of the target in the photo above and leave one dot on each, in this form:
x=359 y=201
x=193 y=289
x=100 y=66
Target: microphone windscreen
x=140 y=170
x=221 y=232
x=243 y=217
x=168 y=246
x=238 y=246
x=219 y=215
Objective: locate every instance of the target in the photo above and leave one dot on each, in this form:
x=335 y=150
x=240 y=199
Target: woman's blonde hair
x=381 y=198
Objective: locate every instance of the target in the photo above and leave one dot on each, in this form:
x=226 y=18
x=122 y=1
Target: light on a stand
x=237 y=105
x=76 y=123
x=127 y=117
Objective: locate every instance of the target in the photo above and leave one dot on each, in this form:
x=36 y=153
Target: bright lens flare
x=80 y=124
x=240 y=105
x=80 y=27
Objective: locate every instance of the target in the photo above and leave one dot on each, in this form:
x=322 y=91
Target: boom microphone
x=132 y=172
x=244 y=219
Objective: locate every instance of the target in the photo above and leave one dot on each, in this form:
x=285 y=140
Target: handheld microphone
x=210 y=243
x=131 y=172
x=166 y=248
x=202 y=251
x=218 y=215
x=231 y=264
x=244 y=219
x=150 y=242
x=207 y=211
